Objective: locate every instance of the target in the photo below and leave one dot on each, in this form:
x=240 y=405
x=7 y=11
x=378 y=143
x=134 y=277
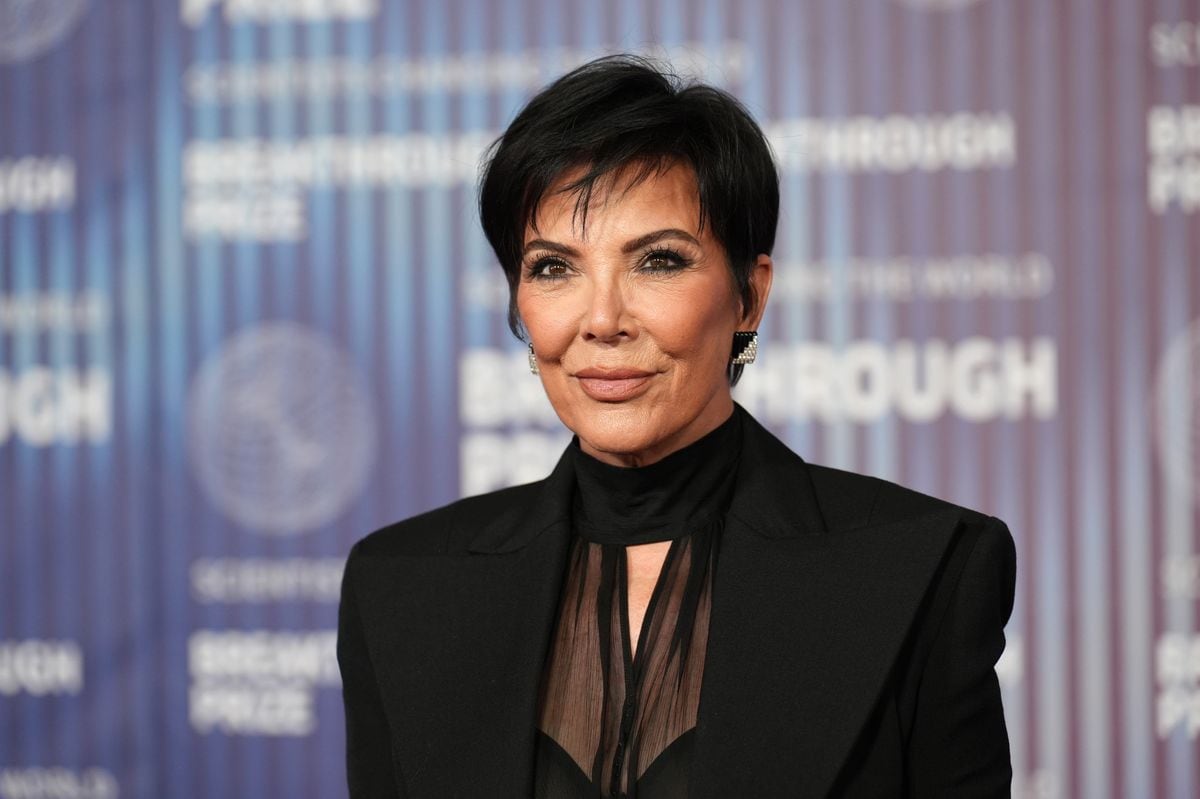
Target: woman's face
x=632 y=318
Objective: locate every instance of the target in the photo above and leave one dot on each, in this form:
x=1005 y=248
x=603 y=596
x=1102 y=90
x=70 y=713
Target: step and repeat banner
x=247 y=316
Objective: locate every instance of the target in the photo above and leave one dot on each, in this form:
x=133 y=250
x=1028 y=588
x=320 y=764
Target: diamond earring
x=532 y=360
x=745 y=346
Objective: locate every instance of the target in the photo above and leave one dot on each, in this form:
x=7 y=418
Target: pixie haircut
x=627 y=115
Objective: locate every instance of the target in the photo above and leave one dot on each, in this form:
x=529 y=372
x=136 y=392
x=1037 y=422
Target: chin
x=619 y=429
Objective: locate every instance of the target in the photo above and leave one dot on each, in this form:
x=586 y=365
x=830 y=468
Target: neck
x=672 y=497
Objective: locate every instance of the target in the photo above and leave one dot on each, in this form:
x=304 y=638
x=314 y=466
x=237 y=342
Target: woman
x=684 y=607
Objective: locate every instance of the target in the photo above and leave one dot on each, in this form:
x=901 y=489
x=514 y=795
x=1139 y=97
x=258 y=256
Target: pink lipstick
x=613 y=385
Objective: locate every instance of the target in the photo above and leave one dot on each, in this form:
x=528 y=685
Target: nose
x=605 y=318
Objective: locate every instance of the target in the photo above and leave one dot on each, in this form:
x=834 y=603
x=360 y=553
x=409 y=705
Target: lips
x=613 y=385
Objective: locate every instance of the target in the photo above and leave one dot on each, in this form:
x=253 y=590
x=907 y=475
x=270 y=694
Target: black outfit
x=612 y=724
x=853 y=632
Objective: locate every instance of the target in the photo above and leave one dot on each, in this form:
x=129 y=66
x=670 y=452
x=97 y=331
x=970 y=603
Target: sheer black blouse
x=612 y=724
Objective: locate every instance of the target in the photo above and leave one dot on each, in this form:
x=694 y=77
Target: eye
x=663 y=259
x=548 y=268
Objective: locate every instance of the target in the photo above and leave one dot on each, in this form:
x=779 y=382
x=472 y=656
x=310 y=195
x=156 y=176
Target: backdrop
x=247 y=316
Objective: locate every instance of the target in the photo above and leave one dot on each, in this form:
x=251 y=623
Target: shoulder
x=983 y=544
x=849 y=500
x=781 y=485
x=977 y=570
x=448 y=529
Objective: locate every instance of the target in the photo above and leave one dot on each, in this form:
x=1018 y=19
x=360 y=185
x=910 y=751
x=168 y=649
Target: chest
x=643 y=564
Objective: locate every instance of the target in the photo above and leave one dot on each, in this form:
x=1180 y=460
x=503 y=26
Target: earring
x=745 y=346
x=532 y=359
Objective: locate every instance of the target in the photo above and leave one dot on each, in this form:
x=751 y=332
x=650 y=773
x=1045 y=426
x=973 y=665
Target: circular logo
x=30 y=27
x=281 y=429
x=1177 y=410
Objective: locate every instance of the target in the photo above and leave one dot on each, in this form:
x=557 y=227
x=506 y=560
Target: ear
x=761 y=273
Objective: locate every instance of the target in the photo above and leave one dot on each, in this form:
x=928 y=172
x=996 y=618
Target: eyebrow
x=634 y=245
x=552 y=246
x=641 y=242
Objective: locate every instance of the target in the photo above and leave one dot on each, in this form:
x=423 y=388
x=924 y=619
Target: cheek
x=695 y=327
x=549 y=328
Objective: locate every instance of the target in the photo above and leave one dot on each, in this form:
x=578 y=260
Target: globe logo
x=29 y=27
x=281 y=429
x=1177 y=411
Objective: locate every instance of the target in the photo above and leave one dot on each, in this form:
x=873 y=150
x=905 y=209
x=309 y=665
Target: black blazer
x=855 y=626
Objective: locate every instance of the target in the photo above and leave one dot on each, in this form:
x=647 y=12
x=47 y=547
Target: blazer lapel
x=465 y=662
x=806 y=624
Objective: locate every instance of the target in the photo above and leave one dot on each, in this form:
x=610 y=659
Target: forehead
x=623 y=201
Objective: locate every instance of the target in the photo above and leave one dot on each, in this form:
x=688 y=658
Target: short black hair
x=624 y=112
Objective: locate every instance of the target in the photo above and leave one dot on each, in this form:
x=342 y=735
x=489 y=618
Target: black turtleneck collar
x=665 y=500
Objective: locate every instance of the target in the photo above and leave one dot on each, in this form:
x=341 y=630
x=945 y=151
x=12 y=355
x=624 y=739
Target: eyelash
x=678 y=260
x=535 y=270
